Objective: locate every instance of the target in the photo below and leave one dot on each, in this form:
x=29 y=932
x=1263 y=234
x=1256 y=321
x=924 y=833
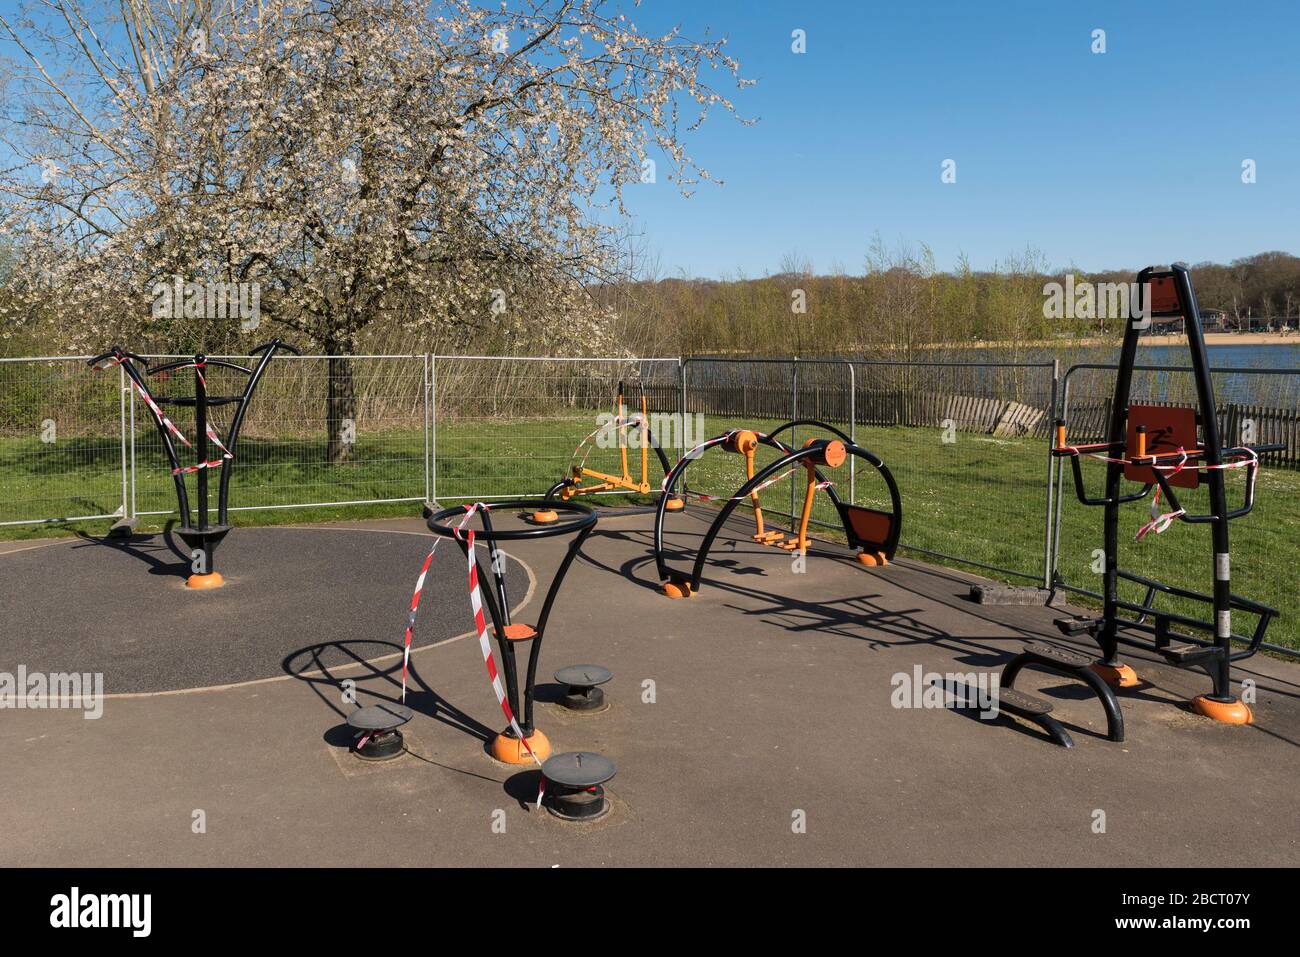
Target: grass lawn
x=981 y=498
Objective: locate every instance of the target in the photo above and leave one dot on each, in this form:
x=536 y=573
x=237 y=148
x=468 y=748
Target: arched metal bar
x=495 y=598
x=670 y=485
x=759 y=478
x=1114 y=717
x=232 y=437
x=794 y=457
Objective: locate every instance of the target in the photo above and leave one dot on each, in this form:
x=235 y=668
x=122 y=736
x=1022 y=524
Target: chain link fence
x=63 y=448
x=511 y=427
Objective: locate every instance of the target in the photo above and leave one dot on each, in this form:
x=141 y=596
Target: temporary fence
x=967 y=441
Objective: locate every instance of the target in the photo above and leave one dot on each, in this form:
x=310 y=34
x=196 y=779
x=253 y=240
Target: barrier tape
x=211 y=432
x=698 y=450
x=480 y=627
x=415 y=606
x=210 y=464
x=1160 y=521
x=772 y=481
x=153 y=406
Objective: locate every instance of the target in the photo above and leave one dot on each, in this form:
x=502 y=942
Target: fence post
x=130 y=412
x=1047 y=518
x=428 y=433
x=121 y=423
x=431 y=409
x=794 y=414
x=681 y=383
x=853 y=429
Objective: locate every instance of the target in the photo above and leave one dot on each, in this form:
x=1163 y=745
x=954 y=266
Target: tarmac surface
x=294 y=598
x=755 y=723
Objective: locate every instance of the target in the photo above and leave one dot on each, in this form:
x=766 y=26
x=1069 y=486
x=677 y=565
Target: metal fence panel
x=284 y=458
x=967 y=443
x=62 y=453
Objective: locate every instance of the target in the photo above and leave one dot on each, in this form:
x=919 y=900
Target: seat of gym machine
x=519 y=632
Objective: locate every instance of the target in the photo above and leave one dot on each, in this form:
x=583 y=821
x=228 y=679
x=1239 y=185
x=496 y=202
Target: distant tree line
x=904 y=304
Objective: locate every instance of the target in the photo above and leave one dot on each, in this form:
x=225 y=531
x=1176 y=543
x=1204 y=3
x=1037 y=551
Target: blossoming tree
x=452 y=167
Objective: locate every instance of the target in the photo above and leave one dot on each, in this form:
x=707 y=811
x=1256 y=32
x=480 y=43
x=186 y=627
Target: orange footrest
x=520 y=632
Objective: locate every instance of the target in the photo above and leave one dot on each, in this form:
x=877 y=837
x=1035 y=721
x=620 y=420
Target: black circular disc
x=578 y=769
x=380 y=717
x=583 y=676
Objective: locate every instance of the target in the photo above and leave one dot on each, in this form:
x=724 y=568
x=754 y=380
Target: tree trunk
x=341 y=409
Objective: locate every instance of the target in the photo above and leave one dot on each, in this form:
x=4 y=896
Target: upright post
x=794 y=414
x=1056 y=415
x=201 y=437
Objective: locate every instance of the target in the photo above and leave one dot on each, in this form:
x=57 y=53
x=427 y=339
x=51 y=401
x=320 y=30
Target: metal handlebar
x=276 y=344
x=118 y=353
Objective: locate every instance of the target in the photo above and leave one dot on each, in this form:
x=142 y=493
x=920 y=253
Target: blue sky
x=1099 y=161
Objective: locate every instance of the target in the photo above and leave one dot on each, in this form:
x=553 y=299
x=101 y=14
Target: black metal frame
x=1214 y=656
x=495 y=597
x=789 y=457
x=203 y=537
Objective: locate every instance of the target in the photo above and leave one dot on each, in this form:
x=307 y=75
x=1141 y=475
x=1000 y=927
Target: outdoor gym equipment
x=378 y=737
x=578 y=777
x=582 y=687
x=571 y=485
x=202 y=538
x=1011 y=700
x=1160 y=447
x=874 y=531
x=520 y=742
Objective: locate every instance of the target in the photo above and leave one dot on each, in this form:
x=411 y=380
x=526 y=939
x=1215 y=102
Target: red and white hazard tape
x=153 y=406
x=415 y=605
x=700 y=496
x=211 y=432
x=758 y=488
x=480 y=627
x=1160 y=521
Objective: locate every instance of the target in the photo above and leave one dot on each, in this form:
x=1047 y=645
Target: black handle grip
x=118 y=353
x=277 y=344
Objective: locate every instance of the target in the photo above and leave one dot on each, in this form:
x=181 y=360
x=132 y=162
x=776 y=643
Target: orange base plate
x=1235 y=711
x=510 y=750
x=210 y=580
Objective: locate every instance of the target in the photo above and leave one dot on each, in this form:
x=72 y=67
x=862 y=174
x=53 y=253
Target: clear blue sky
x=1101 y=161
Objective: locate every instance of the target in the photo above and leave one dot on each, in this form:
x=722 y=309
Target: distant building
x=1214 y=320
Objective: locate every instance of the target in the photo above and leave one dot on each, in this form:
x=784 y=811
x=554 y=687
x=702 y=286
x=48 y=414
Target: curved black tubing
x=789 y=457
x=1109 y=703
x=494 y=596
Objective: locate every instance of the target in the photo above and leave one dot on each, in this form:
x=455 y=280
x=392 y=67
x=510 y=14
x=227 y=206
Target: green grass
x=980 y=498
